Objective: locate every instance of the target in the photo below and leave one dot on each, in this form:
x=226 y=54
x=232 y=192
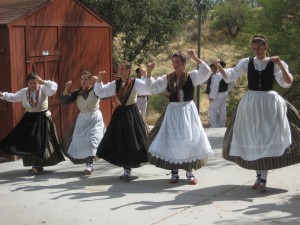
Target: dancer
x=80 y=144
x=177 y=140
x=35 y=136
x=124 y=141
x=217 y=90
x=141 y=73
x=259 y=136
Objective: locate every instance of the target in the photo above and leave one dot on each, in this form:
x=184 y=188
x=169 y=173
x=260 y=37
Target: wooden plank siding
x=57 y=39
x=6 y=118
x=89 y=51
x=17 y=77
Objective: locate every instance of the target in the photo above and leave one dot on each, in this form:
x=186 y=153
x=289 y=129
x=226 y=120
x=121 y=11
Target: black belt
x=142 y=96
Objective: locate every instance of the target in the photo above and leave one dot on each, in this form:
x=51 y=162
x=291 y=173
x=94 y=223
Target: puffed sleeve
x=105 y=90
x=201 y=75
x=279 y=76
x=49 y=88
x=143 y=87
x=240 y=69
x=159 y=84
x=14 y=97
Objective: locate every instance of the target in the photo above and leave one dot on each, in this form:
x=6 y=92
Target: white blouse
x=142 y=87
x=48 y=89
x=242 y=68
x=197 y=77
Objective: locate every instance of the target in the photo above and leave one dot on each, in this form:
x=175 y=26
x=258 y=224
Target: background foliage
x=153 y=29
x=143 y=27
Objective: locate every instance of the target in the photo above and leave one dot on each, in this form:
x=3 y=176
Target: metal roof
x=11 y=10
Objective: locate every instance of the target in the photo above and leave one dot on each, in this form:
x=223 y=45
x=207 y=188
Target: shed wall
x=57 y=41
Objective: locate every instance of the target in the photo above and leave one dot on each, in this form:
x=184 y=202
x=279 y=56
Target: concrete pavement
x=63 y=196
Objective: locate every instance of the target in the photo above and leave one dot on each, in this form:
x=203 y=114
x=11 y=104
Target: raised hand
x=67 y=87
x=275 y=59
x=39 y=79
x=101 y=75
x=68 y=84
x=191 y=53
x=217 y=62
x=150 y=67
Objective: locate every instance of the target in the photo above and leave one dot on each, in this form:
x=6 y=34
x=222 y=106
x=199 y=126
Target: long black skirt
x=290 y=156
x=34 y=138
x=28 y=137
x=124 y=142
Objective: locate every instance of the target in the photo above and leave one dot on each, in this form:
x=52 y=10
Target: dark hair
x=180 y=55
x=127 y=64
x=222 y=63
x=259 y=39
x=31 y=76
x=137 y=70
x=86 y=72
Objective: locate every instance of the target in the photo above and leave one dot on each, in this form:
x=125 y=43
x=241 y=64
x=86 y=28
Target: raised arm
x=104 y=90
x=202 y=73
x=232 y=74
x=50 y=87
x=287 y=77
x=192 y=54
x=66 y=97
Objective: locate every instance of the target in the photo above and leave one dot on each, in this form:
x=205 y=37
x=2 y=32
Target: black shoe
x=126 y=178
x=36 y=169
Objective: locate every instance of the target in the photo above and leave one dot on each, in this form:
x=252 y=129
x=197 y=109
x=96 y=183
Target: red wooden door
x=43 y=56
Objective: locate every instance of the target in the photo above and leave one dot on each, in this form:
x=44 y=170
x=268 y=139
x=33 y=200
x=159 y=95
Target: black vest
x=260 y=80
x=188 y=92
x=223 y=86
x=208 y=85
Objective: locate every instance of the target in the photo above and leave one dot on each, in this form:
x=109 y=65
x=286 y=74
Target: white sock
x=189 y=174
x=264 y=174
x=127 y=171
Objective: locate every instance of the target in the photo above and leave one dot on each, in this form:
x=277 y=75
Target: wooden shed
x=57 y=39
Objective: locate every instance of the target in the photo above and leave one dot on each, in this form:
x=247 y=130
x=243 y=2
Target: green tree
x=230 y=16
x=143 y=26
x=279 y=21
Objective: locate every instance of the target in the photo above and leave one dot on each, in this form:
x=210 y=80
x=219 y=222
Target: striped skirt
x=52 y=154
x=290 y=156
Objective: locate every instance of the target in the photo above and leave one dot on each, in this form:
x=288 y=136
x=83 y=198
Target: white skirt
x=181 y=137
x=261 y=128
x=88 y=132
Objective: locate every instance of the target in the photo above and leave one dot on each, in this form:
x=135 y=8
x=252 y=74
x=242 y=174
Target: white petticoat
x=88 y=132
x=181 y=137
x=261 y=128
